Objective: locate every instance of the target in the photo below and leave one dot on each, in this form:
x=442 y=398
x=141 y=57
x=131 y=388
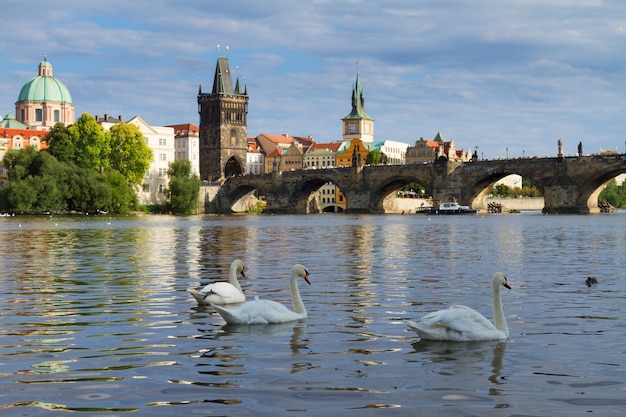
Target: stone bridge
x=568 y=184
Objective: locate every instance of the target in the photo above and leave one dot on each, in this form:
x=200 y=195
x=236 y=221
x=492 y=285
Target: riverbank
x=412 y=205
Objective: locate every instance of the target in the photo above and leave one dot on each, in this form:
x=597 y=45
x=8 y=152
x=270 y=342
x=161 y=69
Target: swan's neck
x=498 y=312
x=296 y=300
x=232 y=278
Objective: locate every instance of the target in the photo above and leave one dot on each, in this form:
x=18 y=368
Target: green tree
x=376 y=157
x=60 y=145
x=130 y=154
x=184 y=187
x=20 y=163
x=91 y=145
x=38 y=182
x=614 y=194
x=88 y=191
x=21 y=195
x=123 y=198
x=415 y=187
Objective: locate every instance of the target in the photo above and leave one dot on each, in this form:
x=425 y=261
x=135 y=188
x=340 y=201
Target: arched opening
x=403 y=195
x=329 y=199
x=233 y=167
x=247 y=199
x=506 y=192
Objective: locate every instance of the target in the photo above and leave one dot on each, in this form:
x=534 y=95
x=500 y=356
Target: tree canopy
x=84 y=168
x=184 y=187
x=376 y=157
x=129 y=152
x=92 y=147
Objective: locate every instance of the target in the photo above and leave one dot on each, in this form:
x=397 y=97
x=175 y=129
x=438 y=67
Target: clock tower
x=358 y=125
x=223 y=126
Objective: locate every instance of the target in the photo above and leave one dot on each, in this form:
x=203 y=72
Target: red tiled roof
x=184 y=127
x=278 y=138
x=332 y=146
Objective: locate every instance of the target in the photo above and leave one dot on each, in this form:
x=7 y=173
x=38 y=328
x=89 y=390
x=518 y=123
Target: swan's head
x=301 y=271
x=240 y=267
x=500 y=279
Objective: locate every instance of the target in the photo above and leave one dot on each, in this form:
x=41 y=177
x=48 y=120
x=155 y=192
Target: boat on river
x=450 y=208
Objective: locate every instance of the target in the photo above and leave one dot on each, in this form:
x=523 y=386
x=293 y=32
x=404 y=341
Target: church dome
x=45 y=88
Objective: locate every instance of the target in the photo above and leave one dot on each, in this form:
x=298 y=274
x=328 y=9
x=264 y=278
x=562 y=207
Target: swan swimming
x=223 y=292
x=462 y=324
x=266 y=311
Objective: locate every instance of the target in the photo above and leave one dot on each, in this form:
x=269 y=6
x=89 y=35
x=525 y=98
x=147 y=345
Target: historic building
x=427 y=151
x=186 y=138
x=44 y=101
x=358 y=125
x=255 y=157
x=161 y=139
x=322 y=155
x=223 y=126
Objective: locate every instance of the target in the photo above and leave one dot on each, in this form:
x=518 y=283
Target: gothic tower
x=358 y=125
x=223 y=126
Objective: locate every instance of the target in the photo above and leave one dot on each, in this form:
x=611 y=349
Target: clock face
x=367 y=128
x=352 y=128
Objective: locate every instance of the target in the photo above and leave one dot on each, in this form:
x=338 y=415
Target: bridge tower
x=358 y=125
x=223 y=125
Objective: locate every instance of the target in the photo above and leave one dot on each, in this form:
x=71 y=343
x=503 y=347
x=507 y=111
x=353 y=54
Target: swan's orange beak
x=306 y=278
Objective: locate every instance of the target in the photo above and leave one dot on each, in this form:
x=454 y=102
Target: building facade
x=223 y=126
x=161 y=140
x=255 y=158
x=186 y=145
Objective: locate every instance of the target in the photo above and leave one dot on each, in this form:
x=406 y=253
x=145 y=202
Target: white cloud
x=493 y=74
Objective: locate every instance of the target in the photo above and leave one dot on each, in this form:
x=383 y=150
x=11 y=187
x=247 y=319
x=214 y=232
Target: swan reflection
x=240 y=343
x=462 y=358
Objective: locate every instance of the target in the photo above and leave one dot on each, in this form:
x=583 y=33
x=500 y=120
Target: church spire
x=358 y=124
x=358 y=100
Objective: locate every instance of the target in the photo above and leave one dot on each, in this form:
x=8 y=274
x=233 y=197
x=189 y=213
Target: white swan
x=267 y=312
x=461 y=324
x=223 y=292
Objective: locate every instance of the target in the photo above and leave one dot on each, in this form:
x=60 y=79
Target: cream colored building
x=161 y=140
x=186 y=145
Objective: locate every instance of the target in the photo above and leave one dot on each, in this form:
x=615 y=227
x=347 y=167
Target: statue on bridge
x=560 y=143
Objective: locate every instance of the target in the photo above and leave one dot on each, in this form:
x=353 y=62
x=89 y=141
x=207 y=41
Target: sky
x=505 y=78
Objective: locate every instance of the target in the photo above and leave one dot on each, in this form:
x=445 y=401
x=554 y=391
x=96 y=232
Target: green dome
x=45 y=88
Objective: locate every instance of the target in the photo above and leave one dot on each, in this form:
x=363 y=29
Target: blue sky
x=508 y=76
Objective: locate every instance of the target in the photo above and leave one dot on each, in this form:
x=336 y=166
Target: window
x=162 y=172
x=145 y=187
x=57 y=116
x=38 y=115
x=162 y=157
x=162 y=142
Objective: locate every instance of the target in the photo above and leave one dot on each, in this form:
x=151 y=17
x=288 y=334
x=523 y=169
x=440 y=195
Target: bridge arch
x=591 y=189
x=304 y=194
x=379 y=197
x=478 y=190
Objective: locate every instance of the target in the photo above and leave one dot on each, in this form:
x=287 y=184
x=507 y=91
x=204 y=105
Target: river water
x=96 y=317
